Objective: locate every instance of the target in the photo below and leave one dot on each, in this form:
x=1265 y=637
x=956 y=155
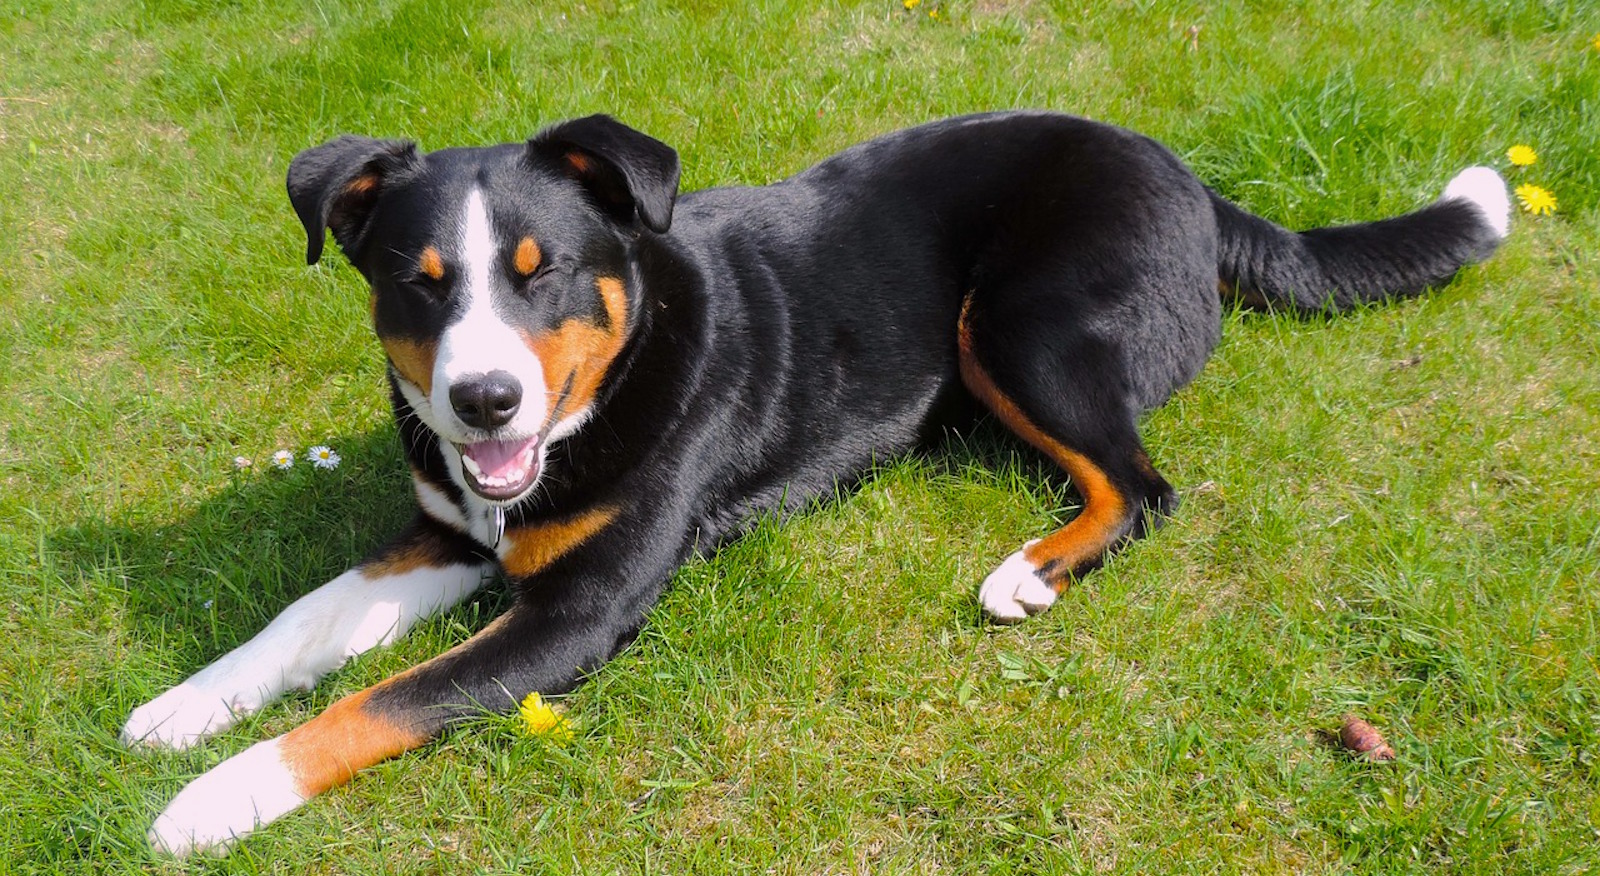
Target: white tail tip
x=1484 y=188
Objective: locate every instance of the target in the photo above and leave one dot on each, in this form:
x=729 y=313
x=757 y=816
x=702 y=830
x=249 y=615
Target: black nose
x=486 y=401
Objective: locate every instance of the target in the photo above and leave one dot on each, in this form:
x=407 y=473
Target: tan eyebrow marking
x=527 y=257
x=431 y=263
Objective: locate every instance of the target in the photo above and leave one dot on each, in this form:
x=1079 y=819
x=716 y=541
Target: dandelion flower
x=283 y=459
x=1536 y=200
x=913 y=4
x=323 y=456
x=539 y=719
x=1595 y=43
x=1522 y=156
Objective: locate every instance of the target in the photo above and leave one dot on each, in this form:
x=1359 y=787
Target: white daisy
x=282 y=459
x=323 y=456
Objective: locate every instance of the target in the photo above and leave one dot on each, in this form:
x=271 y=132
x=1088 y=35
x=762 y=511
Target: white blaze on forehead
x=482 y=341
x=477 y=245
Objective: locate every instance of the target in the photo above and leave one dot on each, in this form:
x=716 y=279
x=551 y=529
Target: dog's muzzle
x=496 y=469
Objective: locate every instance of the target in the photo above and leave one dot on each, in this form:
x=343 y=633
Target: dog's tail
x=1337 y=268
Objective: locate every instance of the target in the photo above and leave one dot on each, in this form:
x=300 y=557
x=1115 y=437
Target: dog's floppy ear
x=626 y=171
x=336 y=184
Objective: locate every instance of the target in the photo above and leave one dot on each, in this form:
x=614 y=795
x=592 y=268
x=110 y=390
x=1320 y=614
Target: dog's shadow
x=194 y=588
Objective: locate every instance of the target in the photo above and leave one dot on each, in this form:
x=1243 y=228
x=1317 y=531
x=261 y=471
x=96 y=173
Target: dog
x=594 y=377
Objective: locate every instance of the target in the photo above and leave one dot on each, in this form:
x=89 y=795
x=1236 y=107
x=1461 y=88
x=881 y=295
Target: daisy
x=1522 y=156
x=323 y=456
x=1536 y=200
x=242 y=462
x=538 y=719
x=283 y=459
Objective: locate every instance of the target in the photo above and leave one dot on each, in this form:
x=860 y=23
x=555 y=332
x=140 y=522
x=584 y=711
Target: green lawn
x=1392 y=513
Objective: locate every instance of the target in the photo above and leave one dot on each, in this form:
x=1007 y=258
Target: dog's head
x=500 y=276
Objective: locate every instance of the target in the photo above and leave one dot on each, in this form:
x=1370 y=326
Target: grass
x=1391 y=512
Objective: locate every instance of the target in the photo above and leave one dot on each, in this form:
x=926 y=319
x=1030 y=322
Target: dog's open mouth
x=500 y=470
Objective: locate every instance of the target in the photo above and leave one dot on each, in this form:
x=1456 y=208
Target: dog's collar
x=495 y=521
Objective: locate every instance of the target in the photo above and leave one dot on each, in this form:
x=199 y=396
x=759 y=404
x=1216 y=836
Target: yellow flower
x=1521 y=155
x=538 y=719
x=911 y=4
x=1595 y=43
x=1536 y=200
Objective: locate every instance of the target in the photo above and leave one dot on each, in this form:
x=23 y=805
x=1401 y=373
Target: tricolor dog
x=593 y=378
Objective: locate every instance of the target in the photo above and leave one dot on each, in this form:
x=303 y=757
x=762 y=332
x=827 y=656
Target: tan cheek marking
x=537 y=546
x=1104 y=513
x=577 y=354
x=527 y=257
x=431 y=263
x=615 y=300
x=578 y=162
x=328 y=750
x=413 y=360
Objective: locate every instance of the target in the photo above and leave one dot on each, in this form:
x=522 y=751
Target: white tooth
x=471 y=465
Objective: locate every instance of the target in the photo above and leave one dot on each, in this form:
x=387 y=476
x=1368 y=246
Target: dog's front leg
x=427 y=568
x=574 y=608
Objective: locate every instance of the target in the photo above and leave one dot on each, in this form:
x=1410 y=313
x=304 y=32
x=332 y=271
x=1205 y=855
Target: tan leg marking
x=331 y=748
x=1105 y=509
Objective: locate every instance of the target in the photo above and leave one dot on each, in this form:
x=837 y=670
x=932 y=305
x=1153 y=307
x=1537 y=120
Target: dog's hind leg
x=1064 y=391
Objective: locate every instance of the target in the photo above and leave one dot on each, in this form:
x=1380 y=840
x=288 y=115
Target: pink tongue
x=498 y=459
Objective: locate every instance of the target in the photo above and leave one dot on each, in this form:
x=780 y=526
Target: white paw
x=1015 y=591
x=240 y=794
x=184 y=715
x=1484 y=188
